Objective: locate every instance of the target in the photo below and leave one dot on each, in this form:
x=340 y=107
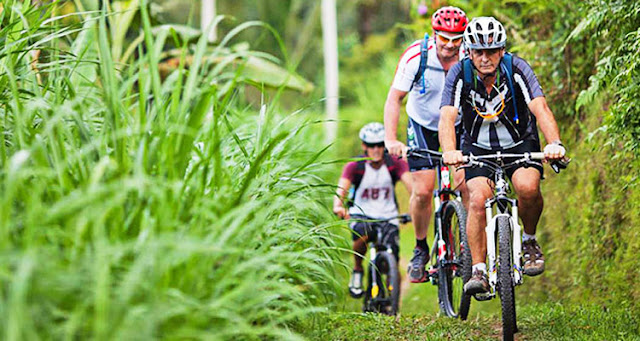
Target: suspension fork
x=490 y=231
x=441 y=195
x=375 y=290
x=516 y=243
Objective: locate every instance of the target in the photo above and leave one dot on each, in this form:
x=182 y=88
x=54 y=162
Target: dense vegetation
x=138 y=204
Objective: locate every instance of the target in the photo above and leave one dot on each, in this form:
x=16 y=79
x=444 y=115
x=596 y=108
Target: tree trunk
x=330 y=45
x=366 y=16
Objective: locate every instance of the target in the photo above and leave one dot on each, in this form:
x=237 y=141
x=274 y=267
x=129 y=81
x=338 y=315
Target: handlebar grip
x=537 y=156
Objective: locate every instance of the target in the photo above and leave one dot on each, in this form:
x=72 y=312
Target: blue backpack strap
x=357 y=179
x=507 y=66
x=467 y=69
x=424 y=53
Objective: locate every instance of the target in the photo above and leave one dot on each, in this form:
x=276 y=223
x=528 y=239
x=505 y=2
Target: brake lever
x=561 y=164
x=405 y=218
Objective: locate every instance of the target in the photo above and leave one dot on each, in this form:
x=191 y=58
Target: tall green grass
x=137 y=207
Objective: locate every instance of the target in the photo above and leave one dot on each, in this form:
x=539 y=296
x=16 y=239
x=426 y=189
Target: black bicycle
x=382 y=294
x=504 y=259
x=450 y=256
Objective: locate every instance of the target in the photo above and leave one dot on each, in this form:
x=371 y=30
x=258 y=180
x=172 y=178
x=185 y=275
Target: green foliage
x=141 y=207
x=590 y=223
x=368 y=73
x=615 y=25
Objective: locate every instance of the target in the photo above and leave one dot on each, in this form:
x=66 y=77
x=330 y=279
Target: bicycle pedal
x=483 y=297
x=433 y=271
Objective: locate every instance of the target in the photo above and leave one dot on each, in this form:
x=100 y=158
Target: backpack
x=424 y=53
x=506 y=65
x=359 y=173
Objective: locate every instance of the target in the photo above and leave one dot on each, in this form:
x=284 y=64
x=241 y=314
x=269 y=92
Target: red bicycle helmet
x=449 y=19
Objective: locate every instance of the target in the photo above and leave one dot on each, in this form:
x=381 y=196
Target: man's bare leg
x=479 y=192
x=526 y=182
x=420 y=209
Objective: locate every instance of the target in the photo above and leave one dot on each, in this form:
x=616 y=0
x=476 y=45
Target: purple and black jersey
x=503 y=131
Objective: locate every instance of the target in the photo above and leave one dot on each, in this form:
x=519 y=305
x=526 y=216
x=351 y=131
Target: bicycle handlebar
x=420 y=152
x=403 y=218
x=556 y=165
x=526 y=156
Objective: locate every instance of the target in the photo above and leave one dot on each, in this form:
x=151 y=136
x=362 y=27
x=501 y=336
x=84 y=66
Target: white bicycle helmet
x=485 y=33
x=372 y=133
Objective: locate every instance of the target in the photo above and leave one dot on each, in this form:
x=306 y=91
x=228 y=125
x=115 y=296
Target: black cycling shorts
x=423 y=138
x=366 y=228
x=527 y=146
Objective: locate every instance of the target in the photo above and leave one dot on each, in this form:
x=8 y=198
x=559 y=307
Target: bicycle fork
x=375 y=289
x=516 y=243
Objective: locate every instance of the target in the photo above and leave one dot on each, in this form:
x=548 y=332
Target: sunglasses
x=455 y=40
x=373 y=145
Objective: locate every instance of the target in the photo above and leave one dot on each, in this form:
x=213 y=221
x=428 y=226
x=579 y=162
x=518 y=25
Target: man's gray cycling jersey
x=504 y=130
x=423 y=108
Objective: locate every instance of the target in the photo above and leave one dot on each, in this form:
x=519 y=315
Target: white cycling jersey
x=422 y=108
x=375 y=197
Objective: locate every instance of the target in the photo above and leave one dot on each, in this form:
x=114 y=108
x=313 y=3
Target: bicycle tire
x=505 y=278
x=451 y=279
x=367 y=304
x=390 y=280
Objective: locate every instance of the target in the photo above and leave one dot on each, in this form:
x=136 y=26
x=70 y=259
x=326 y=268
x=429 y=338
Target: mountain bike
x=450 y=255
x=382 y=293
x=504 y=258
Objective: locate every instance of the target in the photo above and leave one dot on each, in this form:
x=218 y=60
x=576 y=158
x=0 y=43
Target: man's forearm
x=337 y=200
x=549 y=128
x=447 y=129
x=546 y=120
x=391 y=117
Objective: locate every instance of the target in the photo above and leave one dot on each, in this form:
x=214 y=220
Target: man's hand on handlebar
x=453 y=158
x=554 y=151
x=396 y=148
x=341 y=212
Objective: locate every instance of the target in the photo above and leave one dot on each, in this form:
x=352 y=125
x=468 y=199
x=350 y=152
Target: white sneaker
x=355 y=284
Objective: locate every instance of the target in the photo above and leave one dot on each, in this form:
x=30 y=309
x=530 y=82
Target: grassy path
x=546 y=321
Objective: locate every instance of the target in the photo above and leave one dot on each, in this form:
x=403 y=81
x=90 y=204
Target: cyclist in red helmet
x=421 y=75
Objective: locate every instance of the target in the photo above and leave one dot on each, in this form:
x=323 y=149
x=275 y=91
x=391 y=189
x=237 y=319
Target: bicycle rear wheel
x=505 y=278
x=455 y=270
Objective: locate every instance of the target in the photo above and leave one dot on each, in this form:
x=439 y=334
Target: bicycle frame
x=443 y=193
x=502 y=203
x=381 y=245
x=504 y=206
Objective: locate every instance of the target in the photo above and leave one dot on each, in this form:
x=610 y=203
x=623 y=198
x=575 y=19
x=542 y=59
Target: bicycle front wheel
x=390 y=279
x=455 y=270
x=505 y=278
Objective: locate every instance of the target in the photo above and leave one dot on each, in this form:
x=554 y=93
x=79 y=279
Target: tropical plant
x=137 y=207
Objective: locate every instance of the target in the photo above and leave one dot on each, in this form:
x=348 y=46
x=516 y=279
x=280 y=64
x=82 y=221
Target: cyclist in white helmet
x=420 y=76
x=372 y=182
x=499 y=99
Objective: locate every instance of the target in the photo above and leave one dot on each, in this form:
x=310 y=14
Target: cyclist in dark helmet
x=371 y=182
